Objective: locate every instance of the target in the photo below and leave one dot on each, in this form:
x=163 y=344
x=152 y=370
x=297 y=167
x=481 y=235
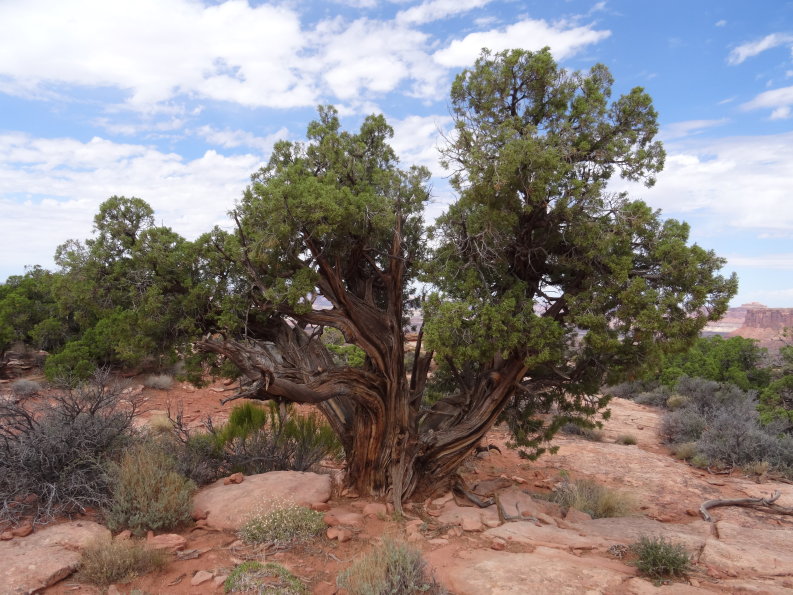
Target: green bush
x=626 y=439
x=685 y=450
x=595 y=499
x=285 y=524
x=243 y=420
x=147 y=491
x=390 y=568
x=588 y=433
x=253 y=576
x=658 y=558
x=107 y=561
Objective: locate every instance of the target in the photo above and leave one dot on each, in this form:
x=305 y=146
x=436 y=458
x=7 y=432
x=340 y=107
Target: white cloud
x=688 y=128
x=418 y=138
x=527 y=34
x=51 y=189
x=720 y=23
x=229 y=139
x=752 y=48
x=779 y=100
x=158 y=49
x=739 y=182
x=768 y=261
x=434 y=10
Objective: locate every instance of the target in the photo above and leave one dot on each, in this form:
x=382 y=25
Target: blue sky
x=179 y=101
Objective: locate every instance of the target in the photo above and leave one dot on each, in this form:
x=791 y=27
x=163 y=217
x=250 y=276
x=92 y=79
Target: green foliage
x=109 y=561
x=147 y=492
x=244 y=419
x=776 y=401
x=593 y=498
x=735 y=360
x=626 y=439
x=658 y=558
x=537 y=261
x=56 y=449
x=264 y=579
x=392 y=567
x=285 y=524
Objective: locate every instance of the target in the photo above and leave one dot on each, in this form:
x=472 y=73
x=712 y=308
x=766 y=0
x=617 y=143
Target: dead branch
x=761 y=504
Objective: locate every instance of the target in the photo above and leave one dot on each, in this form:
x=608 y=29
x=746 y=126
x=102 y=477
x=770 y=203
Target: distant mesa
x=753 y=321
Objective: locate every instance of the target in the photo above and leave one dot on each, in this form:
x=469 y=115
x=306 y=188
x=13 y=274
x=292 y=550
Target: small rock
x=491 y=523
x=517 y=479
x=498 y=544
x=454 y=532
x=340 y=517
x=6 y=536
x=470 y=523
x=438 y=541
x=113 y=590
x=375 y=509
x=201 y=524
x=320 y=506
x=234 y=478
x=22 y=530
x=692 y=512
x=200 y=577
x=339 y=533
x=167 y=541
x=125 y=535
x=576 y=516
x=219 y=579
x=443 y=499
x=200 y=514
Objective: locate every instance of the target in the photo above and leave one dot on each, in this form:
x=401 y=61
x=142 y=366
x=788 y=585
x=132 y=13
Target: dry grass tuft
x=106 y=561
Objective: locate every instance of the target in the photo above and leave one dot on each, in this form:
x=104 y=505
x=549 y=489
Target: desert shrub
x=147 y=491
x=265 y=579
x=700 y=461
x=279 y=443
x=52 y=454
x=285 y=524
x=676 y=401
x=158 y=381
x=25 y=388
x=683 y=425
x=685 y=450
x=593 y=498
x=627 y=439
x=392 y=567
x=629 y=390
x=656 y=397
x=585 y=431
x=657 y=558
x=108 y=561
x=756 y=468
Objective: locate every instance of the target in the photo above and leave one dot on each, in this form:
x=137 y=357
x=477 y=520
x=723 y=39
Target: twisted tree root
x=761 y=504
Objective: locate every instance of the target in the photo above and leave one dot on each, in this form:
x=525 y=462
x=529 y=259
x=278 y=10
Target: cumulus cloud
x=768 y=261
x=528 y=34
x=229 y=139
x=778 y=100
x=437 y=9
x=417 y=140
x=740 y=182
x=50 y=189
x=752 y=48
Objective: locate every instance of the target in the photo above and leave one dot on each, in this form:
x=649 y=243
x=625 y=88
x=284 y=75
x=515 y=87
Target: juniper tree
x=541 y=283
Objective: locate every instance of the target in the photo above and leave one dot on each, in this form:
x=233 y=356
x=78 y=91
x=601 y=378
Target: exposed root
x=761 y=504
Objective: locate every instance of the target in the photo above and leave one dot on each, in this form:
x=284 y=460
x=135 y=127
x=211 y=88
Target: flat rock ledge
x=228 y=507
x=33 y=563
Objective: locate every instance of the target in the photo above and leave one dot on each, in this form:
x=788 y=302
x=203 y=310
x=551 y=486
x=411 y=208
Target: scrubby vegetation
x=284 y=524
x=264 y=579
x=24 y=388
x=147 y=491
x=719 y=424
x=109 y=561
x=658 y=558
x=53 y=452
x=392 y=567
x=593 y=498
x=255 y=439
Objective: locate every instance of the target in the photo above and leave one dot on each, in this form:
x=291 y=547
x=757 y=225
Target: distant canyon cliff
x=753 y=321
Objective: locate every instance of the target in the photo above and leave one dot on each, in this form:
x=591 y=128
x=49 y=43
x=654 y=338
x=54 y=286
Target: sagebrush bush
x=685 y=450
x=589 y=433
x=676 y=401
x=108 y=561
x=264 y=579
x=52 y=454
x=285 y=524
x=626 y=439
x=390 y=568
x=657 y=558
x=25 y=388
x=148 y=493
x=158 y=381
x=595 y=499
